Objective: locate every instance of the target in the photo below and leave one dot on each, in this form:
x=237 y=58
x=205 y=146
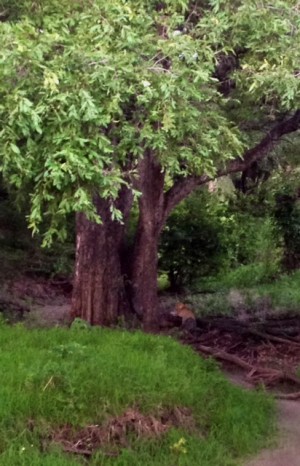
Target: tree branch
x=265 y=146
x=185 y=186
x=4 y=15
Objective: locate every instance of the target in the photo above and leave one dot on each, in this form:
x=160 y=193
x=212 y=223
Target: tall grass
x=54 y=377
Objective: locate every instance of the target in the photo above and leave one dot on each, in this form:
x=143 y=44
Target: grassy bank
x=82 y=377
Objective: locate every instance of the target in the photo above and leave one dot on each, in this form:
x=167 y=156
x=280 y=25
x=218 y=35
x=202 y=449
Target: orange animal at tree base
x=186 y=314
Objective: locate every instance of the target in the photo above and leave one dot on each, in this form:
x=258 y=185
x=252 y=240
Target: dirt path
x=287 y=452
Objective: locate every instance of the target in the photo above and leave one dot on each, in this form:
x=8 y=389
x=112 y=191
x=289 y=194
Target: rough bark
x=145 y=254
x=98 y=282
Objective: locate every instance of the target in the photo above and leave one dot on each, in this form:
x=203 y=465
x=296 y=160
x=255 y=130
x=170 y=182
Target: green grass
x=84 y=376
x=284 y=292
x=279 y=296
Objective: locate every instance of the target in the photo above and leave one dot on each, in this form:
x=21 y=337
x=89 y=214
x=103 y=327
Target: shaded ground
x=37 y=302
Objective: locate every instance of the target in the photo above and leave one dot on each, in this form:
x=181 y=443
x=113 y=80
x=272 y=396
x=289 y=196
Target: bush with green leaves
x=217 y=235
x=287 y=215
x=256 y=249
x=191 y=245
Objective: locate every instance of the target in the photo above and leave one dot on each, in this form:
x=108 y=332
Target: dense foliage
x=224 y=233
x=87 y=88
x=192 y=243
x=287 y=214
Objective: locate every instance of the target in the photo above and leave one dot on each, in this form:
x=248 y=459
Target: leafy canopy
x=87 y=86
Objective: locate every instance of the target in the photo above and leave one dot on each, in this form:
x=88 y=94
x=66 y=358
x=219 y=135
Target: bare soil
x=36 y=301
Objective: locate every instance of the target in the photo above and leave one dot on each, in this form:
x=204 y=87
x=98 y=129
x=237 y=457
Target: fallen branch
x=254 y=328
x=226 y=357
x=288 y=396
x=255 y=373
x=77 y=451
x=268 y=336
x=235 y=326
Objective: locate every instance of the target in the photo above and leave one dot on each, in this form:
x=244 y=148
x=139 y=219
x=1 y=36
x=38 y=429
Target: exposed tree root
x=267 y=336
x=222 y=355
x=288 y=396
x=276 y=330
x=256 y=374
x=265 y=349
x=262 y=330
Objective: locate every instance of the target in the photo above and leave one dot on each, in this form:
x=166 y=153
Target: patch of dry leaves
x=117 y=432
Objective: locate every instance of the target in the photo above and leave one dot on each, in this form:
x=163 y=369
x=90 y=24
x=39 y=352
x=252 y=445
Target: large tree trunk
x=98 y=278
x=98 y=282
x=145 y=255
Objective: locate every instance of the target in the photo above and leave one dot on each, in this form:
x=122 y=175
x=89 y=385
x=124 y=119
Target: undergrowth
x=228 y=295
x=284 y=292
x=83 y=376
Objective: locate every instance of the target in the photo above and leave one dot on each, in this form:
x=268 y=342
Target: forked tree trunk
x=98 y=281
x=145 y=255
x=98 y=277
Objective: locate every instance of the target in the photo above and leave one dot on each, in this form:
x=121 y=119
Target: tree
x=103 y=103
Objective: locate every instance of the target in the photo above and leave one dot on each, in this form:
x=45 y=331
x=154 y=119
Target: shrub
x=211 y=235
x=191 y=245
